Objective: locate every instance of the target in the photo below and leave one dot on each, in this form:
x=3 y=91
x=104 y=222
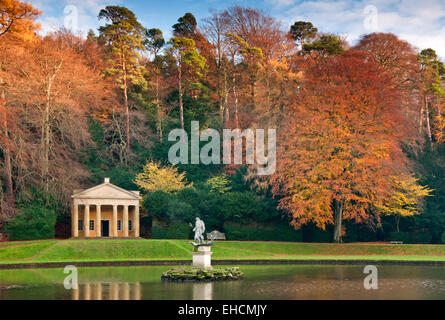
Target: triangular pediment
x=106 y=191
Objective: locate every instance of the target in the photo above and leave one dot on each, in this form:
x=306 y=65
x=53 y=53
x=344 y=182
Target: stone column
x=125 y=221
x=98 y=291
x=98 y=218
x=87 y=291
x=114 y=233
x=86 y=221
x=75 y=294
x=126 y=290
x=136 y=221
x=114 y=291
x=136 y=291
x=75 y=233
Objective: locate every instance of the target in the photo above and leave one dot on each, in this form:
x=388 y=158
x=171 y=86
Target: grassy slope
x=102 y=250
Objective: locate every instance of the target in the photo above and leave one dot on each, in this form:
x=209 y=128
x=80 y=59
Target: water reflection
x=107 y=291
x=260 y=283
x=203 y=291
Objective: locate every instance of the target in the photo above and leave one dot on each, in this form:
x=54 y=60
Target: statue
x=199 y=230
x=199 y=234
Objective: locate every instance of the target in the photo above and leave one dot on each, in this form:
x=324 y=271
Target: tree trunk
x=45 y=139
x=421 y=119
x=338 y=216
x=181 y=107
x=158 y=110
x=7 y=174
x=127 y=111
x=427 y=116
x=226 y=98
x=235 y=97
x=220 y=94
x=252 y=93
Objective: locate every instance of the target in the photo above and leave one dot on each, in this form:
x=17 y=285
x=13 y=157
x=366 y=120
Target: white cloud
x=55 y=17
x=420 y=23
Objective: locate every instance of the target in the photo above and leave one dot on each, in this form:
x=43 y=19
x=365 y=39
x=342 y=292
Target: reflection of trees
x=107 y=291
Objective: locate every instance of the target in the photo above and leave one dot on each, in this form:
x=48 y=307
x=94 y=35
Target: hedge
x=172 y=231
x=32 y=223
x=411 y=237
x=260 y=232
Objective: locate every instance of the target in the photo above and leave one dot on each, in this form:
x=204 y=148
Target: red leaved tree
x=340 y=146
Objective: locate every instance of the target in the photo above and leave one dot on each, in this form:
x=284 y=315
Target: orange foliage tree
x=340 y=144
x=17 y=26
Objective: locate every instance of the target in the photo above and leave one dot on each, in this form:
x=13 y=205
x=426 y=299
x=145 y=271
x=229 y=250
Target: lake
x=263 y=282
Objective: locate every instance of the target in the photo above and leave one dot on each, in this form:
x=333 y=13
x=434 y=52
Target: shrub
x=156 y=204
x=412 y=237
x=313 y=234
x=359 y=233
x=399 y=236
x=171 y=231
x=178 y=210
x=31 y=223
x=443 y=237
x=420 y=237
x=277 y=232
x=220 y=184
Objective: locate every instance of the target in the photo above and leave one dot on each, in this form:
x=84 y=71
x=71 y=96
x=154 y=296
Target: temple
x=105 y=211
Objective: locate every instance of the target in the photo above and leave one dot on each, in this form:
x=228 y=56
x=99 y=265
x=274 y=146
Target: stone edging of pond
x=34 y=265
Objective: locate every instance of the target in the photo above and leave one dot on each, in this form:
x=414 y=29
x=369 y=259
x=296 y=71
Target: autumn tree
x=255 y=44
x=341 y=147
x=124 y=36
x=53 y=89
x=432 y=71
x=256 y=27
x=155 y=43
x=251 y=61
x=17 y=27
x=155 y=177
x=396 y=57
x=406 y=199
x=399 y=62
x=189 y=65
x=17 y=17
x=214 y=31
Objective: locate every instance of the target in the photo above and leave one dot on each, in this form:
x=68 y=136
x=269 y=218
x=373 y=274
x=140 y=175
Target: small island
x=201 y=269
x=190 y=273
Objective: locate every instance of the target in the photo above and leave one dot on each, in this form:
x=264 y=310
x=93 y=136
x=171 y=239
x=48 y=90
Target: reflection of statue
x=199 y=230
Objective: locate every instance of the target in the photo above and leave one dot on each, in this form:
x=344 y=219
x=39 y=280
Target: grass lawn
x=121 y=250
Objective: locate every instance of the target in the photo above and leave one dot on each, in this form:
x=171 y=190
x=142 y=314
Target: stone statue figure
x=199 y=230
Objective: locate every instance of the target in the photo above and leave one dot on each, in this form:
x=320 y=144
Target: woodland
x=360 y=127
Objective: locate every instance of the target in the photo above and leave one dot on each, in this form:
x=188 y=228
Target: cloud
x=420 y=23
x=79 y=16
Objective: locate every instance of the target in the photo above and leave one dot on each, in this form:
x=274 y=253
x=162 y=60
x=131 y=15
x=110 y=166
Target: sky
x=422 y=23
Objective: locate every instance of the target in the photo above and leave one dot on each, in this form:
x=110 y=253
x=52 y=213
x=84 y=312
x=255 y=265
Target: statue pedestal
x=202 y=257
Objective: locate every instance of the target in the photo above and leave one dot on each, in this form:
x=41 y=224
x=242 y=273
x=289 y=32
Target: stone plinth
x=202 y=257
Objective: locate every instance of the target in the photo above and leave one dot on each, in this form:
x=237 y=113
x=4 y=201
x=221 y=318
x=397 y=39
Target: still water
x=261 y=282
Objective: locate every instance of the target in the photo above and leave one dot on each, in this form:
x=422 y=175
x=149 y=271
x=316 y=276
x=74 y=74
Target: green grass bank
x=127 y=250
